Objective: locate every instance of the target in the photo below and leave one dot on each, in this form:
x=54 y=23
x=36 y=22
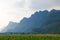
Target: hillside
x=43 y=22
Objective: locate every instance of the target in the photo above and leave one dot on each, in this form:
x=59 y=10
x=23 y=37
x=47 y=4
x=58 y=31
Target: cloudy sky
x=15 y=10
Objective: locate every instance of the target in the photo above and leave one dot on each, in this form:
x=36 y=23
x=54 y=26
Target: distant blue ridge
x=42 y=22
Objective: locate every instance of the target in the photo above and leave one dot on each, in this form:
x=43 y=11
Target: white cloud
x=13 y=10
x=17 y=9
x=44 y=4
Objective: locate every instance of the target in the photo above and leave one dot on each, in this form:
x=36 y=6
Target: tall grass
x=28 y=37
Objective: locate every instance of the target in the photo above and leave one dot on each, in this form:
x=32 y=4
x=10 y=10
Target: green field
x=29 y=37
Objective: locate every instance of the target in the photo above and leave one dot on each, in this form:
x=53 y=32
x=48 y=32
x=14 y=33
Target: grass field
x=29 y=37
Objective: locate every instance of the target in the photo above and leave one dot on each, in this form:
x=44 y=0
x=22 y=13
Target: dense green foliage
x=29 y=37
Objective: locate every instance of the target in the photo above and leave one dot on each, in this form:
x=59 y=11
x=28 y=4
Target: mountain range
x=42 y=22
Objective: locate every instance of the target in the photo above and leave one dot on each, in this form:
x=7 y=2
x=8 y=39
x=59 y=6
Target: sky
x=15 y=10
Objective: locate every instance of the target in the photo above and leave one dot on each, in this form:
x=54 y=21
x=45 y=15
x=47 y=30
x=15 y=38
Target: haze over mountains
x=40 y=22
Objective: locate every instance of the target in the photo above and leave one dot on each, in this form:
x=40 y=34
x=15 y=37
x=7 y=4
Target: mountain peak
x=39 y=22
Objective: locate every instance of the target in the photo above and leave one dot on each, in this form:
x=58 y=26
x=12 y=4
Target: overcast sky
x=45 y=4
x=15 y=10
